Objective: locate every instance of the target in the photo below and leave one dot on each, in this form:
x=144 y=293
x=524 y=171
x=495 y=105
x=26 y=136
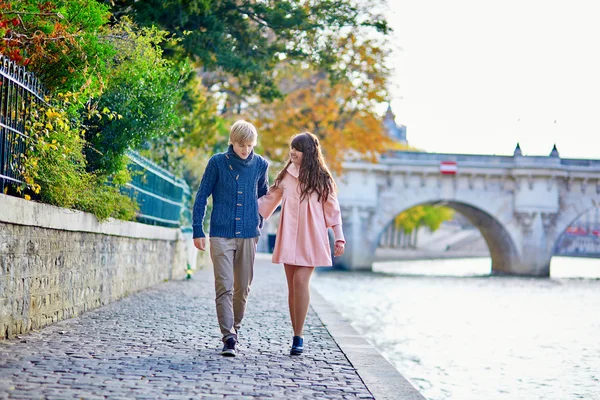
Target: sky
x=478 y=76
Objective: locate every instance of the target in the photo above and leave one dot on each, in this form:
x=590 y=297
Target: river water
x=458 y=333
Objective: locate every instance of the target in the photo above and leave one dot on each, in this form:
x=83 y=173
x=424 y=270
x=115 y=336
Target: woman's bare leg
x=289 y=274
x=301 y=282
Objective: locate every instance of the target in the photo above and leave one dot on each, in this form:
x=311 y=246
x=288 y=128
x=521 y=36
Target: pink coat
x=302 y=237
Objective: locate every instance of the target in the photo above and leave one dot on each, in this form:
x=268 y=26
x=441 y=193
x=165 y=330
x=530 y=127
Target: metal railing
x=163 y=198
x=18 y=89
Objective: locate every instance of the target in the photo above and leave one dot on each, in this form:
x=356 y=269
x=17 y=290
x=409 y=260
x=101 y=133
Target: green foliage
x=430 y=216
x=247 y=39
x=201 y=128
x=61 y=41
x=131 y=97
x=238 y=48
x=127 y=94
x=144 y=91
x=54 y=166
x=106 y=201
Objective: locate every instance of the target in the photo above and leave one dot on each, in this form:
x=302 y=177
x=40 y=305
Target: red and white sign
x=448 y=167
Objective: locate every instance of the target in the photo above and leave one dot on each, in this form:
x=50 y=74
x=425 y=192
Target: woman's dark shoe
x=297 y=346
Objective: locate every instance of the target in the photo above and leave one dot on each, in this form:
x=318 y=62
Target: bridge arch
x=568 y=219
x=503 y=251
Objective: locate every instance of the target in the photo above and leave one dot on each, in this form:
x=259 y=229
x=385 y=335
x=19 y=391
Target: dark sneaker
x=297 y=346
x=229 y=348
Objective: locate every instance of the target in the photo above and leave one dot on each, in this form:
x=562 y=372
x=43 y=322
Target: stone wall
x=56 y=263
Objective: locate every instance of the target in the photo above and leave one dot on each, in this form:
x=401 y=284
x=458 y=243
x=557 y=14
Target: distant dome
x=394 y=131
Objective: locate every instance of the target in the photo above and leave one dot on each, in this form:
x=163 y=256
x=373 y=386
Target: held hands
x=200 y=243
x=338 y=250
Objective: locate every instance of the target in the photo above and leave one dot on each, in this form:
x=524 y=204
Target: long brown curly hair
x=314 y=175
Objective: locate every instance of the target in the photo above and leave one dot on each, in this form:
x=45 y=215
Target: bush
x=54 y=167
x=144 y=91
x=61 y=41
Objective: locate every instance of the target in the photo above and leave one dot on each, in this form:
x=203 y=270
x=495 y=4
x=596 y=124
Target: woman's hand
x=338 y=249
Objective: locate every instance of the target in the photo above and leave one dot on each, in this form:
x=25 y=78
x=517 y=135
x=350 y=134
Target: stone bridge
x=521 y=204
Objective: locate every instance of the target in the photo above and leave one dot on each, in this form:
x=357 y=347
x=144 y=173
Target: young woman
x=307 y=194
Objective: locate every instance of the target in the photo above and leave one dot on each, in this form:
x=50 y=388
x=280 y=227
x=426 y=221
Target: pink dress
x=302 y=237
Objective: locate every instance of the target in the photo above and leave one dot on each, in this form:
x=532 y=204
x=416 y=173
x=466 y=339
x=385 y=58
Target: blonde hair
x=242 y=132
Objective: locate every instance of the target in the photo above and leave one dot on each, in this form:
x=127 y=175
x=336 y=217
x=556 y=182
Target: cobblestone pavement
x=164 y=343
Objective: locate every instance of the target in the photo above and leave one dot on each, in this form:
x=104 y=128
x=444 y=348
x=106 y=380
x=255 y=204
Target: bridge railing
x=436 y=157
x=580 y=162
x=18 y=90
x=420 y=158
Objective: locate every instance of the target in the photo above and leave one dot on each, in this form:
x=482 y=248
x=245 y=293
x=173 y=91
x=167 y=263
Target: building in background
x=395 y=131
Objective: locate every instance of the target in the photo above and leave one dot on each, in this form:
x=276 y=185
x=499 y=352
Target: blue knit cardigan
x=235 y=185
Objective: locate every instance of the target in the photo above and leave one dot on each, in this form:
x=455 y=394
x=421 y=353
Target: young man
x=235 y=179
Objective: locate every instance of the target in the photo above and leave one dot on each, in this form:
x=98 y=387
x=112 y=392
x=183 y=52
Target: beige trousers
x=233 y=263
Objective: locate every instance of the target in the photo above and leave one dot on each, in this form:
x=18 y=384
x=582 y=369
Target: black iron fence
x=18 y=90
x=163 y=198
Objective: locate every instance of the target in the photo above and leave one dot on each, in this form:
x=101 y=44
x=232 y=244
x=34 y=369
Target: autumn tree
x=58 y=40
x=239 y=49
x=341 y=112
x=247 y=39
x=410 y=221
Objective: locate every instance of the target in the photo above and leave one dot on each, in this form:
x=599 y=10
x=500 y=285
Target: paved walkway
x=164 y=343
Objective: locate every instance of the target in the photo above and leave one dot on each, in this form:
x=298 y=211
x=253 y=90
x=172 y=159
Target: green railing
x=163 y=198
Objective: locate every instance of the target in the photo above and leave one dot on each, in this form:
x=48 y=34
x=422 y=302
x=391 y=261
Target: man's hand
x=338 y=249
x=200 y=243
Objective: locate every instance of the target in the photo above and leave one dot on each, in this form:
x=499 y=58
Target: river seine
x=458 y=333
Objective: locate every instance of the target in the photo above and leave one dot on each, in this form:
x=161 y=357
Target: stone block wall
x=49 y=273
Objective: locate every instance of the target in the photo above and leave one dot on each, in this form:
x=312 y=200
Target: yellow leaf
x=27 y=197
x=52 y=114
